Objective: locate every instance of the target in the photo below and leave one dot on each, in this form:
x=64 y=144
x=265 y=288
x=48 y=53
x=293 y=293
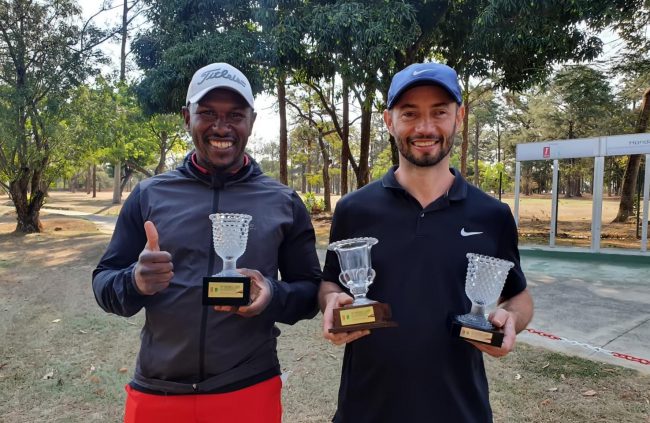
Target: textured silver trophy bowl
x=356 y=271
x=483 y=284
x=230 y=235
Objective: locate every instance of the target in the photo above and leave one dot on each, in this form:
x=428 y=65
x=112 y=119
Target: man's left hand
x=504 y=320
x=260 y=295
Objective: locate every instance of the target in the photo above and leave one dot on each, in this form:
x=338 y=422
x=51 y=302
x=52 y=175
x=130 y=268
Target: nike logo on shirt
x=464 y=233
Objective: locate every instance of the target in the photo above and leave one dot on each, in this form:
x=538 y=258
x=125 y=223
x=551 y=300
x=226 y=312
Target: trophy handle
x=371 y=276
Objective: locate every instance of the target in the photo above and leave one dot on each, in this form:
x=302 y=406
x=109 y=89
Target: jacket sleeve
x=113 y=282
x=295 y=296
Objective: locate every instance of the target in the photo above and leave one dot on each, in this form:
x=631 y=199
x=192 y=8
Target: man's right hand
x=336 y=300
x=154 y=269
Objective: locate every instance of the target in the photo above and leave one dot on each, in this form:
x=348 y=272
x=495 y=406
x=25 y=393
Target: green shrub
x=314 y=205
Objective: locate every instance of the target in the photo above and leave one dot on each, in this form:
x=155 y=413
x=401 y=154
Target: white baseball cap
x=218 y=75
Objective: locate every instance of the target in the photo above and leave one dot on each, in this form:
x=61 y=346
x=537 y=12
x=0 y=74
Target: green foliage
x=489 y=177
x=382 y=164
x=314 y=205
x=185 y=36
x=520 y=39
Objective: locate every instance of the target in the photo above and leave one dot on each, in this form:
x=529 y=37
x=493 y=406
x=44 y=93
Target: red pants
x=259 y=403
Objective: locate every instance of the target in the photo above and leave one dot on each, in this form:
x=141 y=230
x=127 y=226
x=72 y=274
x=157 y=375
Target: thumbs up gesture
x=154 y=269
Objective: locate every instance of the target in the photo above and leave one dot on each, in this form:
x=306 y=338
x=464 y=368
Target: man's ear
x=185 y=111
x=460 y=115
x=388 y=120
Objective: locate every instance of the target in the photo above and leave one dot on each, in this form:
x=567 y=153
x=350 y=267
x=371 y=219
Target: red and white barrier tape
x=590 y=347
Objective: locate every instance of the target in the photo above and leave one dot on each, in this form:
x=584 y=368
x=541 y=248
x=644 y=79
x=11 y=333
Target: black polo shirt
x=418 y=372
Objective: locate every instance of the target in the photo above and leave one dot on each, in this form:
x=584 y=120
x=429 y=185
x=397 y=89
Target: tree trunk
x=309 y=188
x=326 y=171
x=89 y=174
x=160 y=167
x=363 y=174
x=27 y=207
x=345 y=142
x=94 y=181
x=117 y=172
x=123 y=30
x=128 y=172
x=476 y=138
x=117 y=181
x=626 y=205
x=282 y=105
x=465 y=142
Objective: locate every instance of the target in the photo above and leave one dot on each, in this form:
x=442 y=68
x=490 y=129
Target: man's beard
x=446 y=144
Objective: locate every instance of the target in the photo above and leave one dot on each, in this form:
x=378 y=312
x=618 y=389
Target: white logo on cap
x=219 y=73
x=416 y=73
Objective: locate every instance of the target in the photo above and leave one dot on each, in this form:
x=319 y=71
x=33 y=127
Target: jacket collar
x=216 y=179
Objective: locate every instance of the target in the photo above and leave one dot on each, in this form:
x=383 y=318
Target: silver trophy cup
x=230 y=235
x=483 y=284
x=356 y=271
x=357 y=274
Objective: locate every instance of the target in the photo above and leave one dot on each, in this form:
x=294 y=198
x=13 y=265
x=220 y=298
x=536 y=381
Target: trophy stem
x=229 y=264
x=362 y=299
x=478 y=309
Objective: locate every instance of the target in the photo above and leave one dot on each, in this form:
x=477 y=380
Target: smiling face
x=220 y=124
x=423 y=122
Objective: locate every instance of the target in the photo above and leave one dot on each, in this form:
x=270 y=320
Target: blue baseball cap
x=424 y=74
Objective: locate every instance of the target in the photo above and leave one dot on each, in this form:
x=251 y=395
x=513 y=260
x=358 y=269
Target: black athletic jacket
x=187 y=347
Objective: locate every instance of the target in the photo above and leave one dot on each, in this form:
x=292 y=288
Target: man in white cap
x=196 y=362
x=426 y=218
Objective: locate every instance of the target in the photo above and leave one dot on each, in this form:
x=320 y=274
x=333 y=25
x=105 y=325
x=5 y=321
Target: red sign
x=547 y=152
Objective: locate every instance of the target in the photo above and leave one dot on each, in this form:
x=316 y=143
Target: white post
x=556 y=167
x=597 y=203
x=517 y=181
x=646 y=197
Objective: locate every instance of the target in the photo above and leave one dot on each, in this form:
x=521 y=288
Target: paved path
x=598 y=300
x=105 y=224
x=591 y=301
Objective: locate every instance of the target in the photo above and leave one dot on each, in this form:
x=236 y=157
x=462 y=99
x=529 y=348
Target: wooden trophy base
x=361 y=317
x=477 y=334
x=226 y=290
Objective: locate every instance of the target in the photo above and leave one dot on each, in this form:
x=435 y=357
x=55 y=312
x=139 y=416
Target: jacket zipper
x=204 y=316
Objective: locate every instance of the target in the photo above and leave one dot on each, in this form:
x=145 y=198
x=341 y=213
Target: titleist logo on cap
x=220 y=73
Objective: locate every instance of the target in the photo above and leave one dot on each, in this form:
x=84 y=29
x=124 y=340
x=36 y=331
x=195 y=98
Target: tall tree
x=635 y=60
x=281 y=53
x=354 y=39
x=44 y=53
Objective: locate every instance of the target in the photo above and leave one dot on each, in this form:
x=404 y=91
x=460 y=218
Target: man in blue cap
x=426 y=218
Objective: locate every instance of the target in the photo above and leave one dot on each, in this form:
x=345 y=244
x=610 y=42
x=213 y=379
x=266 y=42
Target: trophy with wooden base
x=228 y=287
x=483 y=284
x=357 y=275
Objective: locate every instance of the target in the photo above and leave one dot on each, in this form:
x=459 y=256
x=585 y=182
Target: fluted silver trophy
x=483 y=284
x=229 y=236
x=357 y=274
